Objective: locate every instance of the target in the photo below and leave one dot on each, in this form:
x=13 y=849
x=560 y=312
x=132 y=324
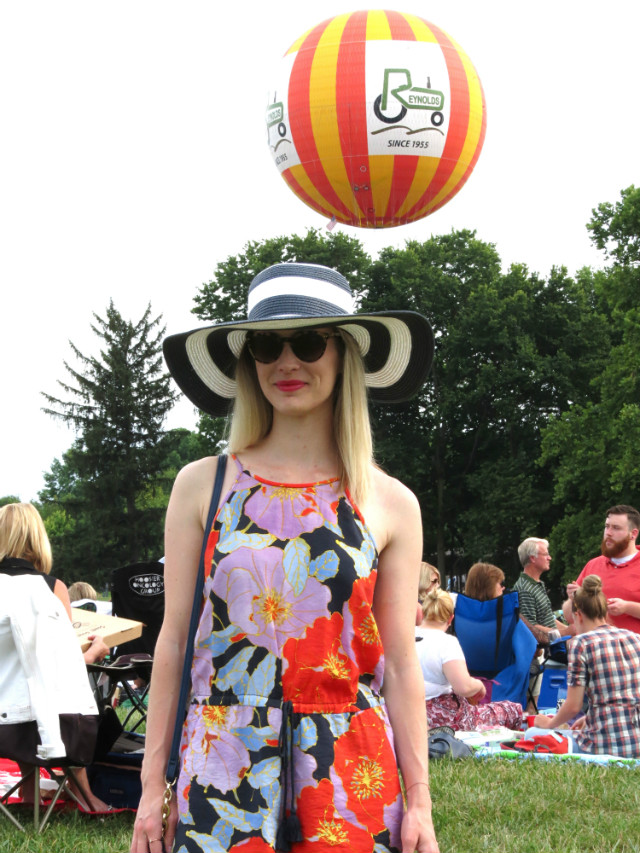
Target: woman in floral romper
x=311 y=571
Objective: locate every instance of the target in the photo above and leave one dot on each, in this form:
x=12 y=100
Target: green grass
x=500 y=806
x=123 y=712
x=528 y=806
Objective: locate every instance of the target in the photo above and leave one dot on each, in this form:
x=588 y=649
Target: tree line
x=527 y=426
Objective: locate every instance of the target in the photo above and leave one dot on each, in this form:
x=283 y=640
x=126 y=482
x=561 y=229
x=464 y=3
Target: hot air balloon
x=375 y=118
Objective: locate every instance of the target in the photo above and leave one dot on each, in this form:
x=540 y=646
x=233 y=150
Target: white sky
x=134 y=158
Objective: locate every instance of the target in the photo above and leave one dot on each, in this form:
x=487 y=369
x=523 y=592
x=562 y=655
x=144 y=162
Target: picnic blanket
x=10 y=775
x=487 y=745
x=495 y=751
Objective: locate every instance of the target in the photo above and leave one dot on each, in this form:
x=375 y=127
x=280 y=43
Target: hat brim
x=397 y=348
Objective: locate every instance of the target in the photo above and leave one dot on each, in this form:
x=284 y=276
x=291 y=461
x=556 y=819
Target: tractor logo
x=399 y=95
x=274 y=119
x=276 y=127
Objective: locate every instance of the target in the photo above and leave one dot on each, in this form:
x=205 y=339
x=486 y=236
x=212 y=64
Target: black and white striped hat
x=397 y=346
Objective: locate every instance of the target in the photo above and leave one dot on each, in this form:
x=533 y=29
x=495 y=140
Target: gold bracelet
x=413 y=784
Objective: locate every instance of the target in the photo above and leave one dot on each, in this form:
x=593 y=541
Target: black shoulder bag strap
x=185 y=684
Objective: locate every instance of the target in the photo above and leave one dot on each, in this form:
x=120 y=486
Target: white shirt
x=435 y=648
x=42 y=671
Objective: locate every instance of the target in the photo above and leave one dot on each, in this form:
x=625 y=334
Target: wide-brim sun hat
x=396 y=346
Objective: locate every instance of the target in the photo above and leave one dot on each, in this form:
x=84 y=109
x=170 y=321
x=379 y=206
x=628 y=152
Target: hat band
x=294 y=296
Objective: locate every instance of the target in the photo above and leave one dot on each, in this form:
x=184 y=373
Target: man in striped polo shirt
x=535 y=605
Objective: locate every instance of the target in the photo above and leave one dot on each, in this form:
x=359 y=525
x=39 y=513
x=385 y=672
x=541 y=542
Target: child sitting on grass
x=451 y=692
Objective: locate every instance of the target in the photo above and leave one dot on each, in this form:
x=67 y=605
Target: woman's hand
x=542 y=721
x=147 y=829
x=417 y=832
x=97 y=651
x=479 y=696
x=578 y=725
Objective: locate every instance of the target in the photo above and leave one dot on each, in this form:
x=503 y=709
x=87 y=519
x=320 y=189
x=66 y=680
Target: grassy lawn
x=521 y=806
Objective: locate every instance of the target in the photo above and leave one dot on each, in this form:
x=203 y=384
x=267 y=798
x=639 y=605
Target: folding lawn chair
x=49 y=716
x=137 y=592
x=497 y=645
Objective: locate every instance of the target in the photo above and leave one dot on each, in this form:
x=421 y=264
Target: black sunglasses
x=307 y=345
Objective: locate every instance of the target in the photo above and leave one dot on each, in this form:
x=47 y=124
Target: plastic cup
x=531 y=720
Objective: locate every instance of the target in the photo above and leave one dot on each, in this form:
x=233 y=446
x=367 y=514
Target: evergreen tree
x=117 y=403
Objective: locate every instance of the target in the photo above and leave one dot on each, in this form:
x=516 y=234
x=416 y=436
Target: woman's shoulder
x=390 y=491
x=198 y=474
x=391 y=510
x=191 y=494
x=438 y=643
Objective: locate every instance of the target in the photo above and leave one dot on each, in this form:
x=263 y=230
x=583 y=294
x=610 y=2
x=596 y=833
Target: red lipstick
x=288 y=385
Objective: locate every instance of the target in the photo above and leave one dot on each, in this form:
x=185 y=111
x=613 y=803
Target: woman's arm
x=394 y=609
x=463 y=684
x=60 y=591
x=571 y=706
x=184 y=530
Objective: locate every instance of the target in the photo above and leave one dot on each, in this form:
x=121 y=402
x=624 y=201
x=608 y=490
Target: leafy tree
x=224 y=298
x=592 y=446
x=9 y=499
x=117 y=403
x=509 y=354
x=506 y=347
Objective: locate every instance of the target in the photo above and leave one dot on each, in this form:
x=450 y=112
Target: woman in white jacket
x=25 y=552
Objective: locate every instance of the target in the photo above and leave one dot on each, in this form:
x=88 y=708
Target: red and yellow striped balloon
x=377 y=118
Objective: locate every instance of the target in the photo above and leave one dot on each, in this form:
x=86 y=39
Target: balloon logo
x=377 y=118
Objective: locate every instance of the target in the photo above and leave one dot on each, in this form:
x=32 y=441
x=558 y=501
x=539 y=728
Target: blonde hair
x=80 y=590
x=252 y=416
x=482 y=580
x=589 y=599
x=437 y=606
x=424 y=584
x=23 y=536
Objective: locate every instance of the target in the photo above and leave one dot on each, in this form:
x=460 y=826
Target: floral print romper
x=287 y=744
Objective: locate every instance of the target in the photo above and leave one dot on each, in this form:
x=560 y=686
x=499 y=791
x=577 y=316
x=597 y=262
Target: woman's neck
x=296 y=450
x=585 y=624
x=434 y=626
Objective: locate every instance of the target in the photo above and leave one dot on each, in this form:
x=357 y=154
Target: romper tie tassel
x=289 y=829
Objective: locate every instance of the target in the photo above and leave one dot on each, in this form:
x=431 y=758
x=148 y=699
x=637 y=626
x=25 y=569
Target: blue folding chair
x=497 y=645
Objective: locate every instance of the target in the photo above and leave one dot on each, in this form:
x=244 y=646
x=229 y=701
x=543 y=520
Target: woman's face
x=499 y=589
x=293 y=385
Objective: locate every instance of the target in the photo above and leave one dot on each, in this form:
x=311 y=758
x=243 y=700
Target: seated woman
x=25 y=550
x=451 y=693
x=604 y=663
x=484 y=582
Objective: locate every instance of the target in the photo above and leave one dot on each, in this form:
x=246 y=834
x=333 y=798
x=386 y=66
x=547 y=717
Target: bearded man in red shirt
x=618 y=567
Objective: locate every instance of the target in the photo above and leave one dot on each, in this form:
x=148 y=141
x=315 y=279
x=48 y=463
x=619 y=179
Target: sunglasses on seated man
x=307 y=345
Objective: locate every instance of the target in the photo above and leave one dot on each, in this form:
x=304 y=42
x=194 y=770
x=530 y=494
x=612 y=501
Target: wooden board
x=113 y=629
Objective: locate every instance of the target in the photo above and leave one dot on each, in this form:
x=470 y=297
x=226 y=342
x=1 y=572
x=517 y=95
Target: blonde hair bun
x=437 y=606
